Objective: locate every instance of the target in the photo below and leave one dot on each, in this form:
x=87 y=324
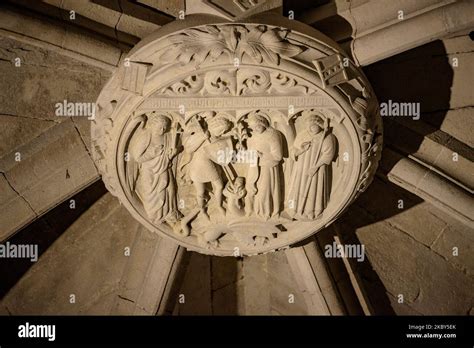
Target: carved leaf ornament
x=261 y=44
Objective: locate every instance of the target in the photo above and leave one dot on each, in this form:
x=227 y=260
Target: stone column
x=314 y=279
x=150 y=283
x=384 y=28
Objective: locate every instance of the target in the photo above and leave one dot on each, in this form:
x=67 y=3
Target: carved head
x=218 y=126
x=239 y=182
x=315 y=123
x=258 y=123
x=158 y=123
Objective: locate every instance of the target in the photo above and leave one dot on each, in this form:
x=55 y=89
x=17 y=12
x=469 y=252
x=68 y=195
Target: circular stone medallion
x=237 y=138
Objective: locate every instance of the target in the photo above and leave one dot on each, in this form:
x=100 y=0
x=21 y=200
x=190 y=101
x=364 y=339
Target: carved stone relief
x=242 y=138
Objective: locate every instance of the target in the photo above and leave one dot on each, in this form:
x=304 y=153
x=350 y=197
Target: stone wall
x=411 y=251
x=416 y=250
x=44 y=158
x=419 y=251
x=259 y=285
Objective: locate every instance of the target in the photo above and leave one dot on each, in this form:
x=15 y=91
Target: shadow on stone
x=209 y=286
x=45 y=231
x=422 y=75
x=378 y=203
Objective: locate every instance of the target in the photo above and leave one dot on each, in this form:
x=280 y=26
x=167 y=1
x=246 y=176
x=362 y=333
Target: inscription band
x=241 y=102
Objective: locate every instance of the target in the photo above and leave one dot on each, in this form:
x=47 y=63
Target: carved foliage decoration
x=239 y=82
x=259 y=43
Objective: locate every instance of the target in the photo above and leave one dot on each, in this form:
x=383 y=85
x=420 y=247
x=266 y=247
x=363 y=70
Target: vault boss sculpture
x=251 y=135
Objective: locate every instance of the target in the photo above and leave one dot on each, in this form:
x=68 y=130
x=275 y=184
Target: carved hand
x=304 y=147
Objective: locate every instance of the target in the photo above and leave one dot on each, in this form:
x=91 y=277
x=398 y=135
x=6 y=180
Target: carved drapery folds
x=235 y=145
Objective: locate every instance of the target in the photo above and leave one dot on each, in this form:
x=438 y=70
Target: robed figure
x=151 y=177
x=264 y=197
x=314 y=148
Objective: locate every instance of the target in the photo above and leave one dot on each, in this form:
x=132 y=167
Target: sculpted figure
x=202 y=163
x=264 y=180
x=313 y=149
x=152 y=150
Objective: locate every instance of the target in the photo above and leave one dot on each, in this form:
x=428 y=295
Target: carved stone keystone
x=237 y=138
